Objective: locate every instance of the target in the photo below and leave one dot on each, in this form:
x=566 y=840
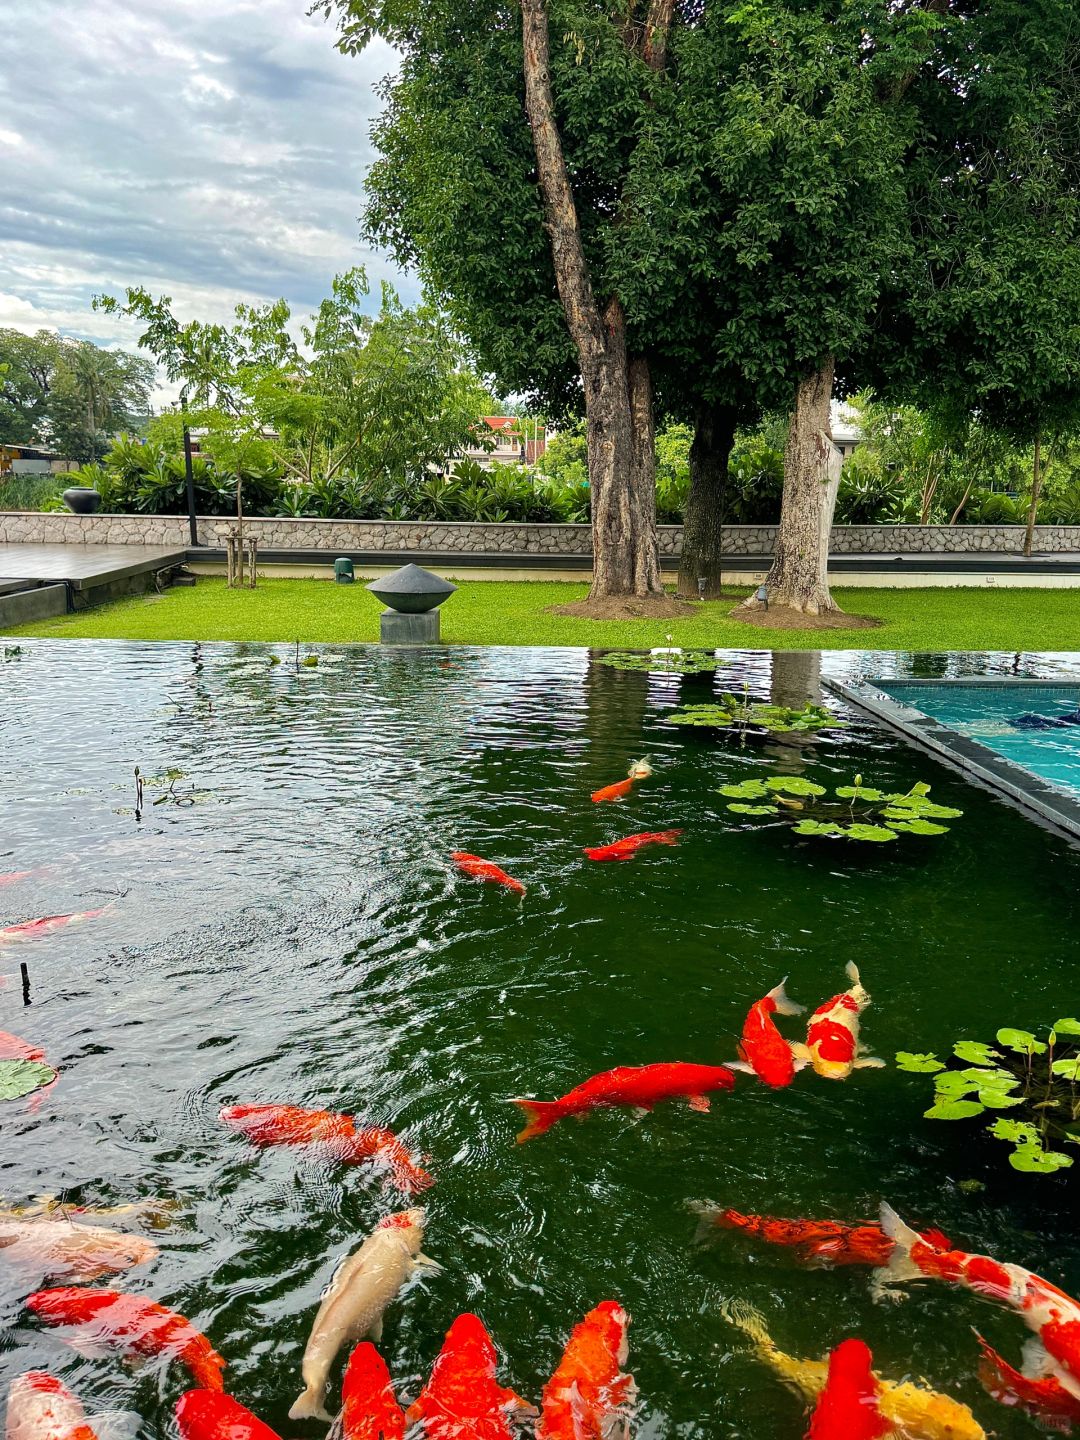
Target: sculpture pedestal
x=397 y=627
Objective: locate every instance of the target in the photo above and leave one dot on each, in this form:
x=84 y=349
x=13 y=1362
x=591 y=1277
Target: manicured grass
x=501 y=613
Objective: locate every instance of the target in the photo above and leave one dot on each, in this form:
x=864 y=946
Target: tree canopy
x=69 y=395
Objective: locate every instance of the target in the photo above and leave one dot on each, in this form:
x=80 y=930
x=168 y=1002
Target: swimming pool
x=298 y=934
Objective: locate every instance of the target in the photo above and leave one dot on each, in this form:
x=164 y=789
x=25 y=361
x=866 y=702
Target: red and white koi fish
x=485 y=870
x=33 y=929
x=832 y=1036
x=819 y=1242
x=462 y=1397
x=1045 y=1398
x=70 y=1251
x=849 y=1407
x=1051 y=1315
x=626 y=849
x=369 y=1410
x=640 y=769
x=40 y=1407
x=213 y=1415
x=12 y=878
x=133 y=1324
x=589 y=1397
x=640 y=1086
x=334 y=1136
x=763 y=1051
x=618 y=791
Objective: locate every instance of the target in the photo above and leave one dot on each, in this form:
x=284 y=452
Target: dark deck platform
x=84 y=567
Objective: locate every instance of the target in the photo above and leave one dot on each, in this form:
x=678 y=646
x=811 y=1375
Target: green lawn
x=498 y=613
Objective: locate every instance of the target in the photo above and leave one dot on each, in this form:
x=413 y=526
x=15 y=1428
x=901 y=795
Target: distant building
x=517 y=442
x=846 y=434
x=32 y=460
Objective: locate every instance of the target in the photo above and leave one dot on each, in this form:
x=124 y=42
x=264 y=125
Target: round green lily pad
x=23 y=1077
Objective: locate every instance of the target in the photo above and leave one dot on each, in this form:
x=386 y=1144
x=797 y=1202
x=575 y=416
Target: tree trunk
x=1036 y=488
x=617 y=391
x=703 y=525
x=798 y=577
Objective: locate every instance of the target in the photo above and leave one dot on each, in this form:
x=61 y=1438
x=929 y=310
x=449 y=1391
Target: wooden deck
x=83 y=567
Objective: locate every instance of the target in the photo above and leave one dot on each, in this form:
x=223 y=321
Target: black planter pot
x=82 y=500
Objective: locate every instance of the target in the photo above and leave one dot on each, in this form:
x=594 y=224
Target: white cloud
x=211 y=152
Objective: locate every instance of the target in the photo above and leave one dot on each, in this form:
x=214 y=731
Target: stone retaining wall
x=464 y=538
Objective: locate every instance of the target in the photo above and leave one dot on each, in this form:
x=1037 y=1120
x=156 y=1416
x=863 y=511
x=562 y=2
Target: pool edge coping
x=1025 y=789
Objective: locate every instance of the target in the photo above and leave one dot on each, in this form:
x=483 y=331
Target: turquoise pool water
x=1027 y=723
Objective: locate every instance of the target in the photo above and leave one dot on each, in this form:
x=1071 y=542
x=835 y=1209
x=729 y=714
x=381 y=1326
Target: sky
x=210 y=150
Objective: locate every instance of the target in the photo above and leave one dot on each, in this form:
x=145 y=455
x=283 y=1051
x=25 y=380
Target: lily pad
x=794 y=785
x=1018 y=1131
x=752 y=809
x=680 y=662
x=917 y=1064
x=818 y=827
x=917 y=827
x=850 y=792
x=1039 y=1162
x=1021 y=1041
x=876 y=833
x=1067 y=1027
x=975 y=1052
x=23 y=1077
x=1067 y=1069
x=745 y=790
x=953 y=1110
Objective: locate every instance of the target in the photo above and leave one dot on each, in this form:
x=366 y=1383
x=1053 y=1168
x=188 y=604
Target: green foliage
x=856 y=812
x=23 y=1077
x=747 y=717
x=69 y=395
x=1022 y=1072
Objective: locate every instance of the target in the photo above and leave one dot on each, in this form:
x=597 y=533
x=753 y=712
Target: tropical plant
x=1037 y=1078
x=855 y=812
x=745 y=717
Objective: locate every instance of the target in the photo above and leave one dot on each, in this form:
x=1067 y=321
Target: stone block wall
x=467 y=539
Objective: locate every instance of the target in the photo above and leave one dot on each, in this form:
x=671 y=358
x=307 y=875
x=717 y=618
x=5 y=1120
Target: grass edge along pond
x=494 y=612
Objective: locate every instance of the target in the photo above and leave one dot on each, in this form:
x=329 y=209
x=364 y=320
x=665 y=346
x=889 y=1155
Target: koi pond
x=282 y=923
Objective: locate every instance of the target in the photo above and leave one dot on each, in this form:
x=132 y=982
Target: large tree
x=69 y=395
x=507 y=139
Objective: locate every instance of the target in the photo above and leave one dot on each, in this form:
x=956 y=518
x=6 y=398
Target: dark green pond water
x=300 y=936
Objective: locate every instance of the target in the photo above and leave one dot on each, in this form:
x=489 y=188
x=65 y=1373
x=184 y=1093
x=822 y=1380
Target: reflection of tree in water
x=616 y=701
x=795 y=681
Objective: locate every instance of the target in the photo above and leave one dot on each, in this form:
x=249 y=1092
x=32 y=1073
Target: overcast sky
x=211 y=150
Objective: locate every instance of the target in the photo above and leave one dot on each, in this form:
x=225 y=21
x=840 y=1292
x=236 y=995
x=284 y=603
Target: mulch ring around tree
x=626 y=607
x=782 y=617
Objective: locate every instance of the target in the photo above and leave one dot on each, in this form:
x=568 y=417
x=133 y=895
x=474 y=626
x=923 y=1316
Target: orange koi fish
x=485 y=870
x=33 y=929
x=832 y=1036
x=334 y=1136
x=369 y=1410
x=763 y=1051
x=40 y=1407
x=12 y=878
x=463 y=1398
x=819 y=1242
x=625 y=849
x=588 y=1397
x=849 y=1406
x=618 y=791
x=1044 y=1397
x=134 y=1324
x=1051 y=1315
x=212 y=1415
x=641 y=1086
